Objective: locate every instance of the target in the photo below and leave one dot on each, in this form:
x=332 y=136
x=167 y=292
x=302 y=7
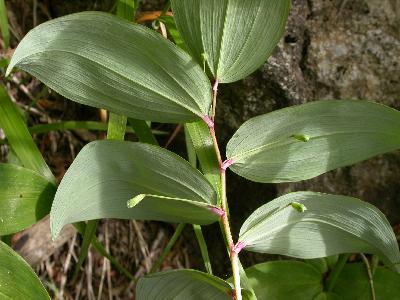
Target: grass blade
x=5 y=31
x=143 y=131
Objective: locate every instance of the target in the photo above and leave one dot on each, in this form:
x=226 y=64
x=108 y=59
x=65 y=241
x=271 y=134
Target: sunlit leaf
x=101 y=60
x=234 y=37
x=17 y=279
x=331 y=225
x=25 y=198
x=304 y=141
x=107 y=174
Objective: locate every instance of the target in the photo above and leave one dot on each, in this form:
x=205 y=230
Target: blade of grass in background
x=19 y=138
x=143 y=131
x=126 y=9
x=5 y=31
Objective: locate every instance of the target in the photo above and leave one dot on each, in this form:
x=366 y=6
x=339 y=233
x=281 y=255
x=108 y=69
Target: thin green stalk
x=203 y=248
x=337 y=269
x=197 y=228
x=81 y=227
x=5 y=31
x=370 y=276
x=88 y=235
x=143 y=131
x=168 y=248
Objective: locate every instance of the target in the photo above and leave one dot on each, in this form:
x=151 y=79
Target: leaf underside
x=331 y=225
x=106 y=174
x=103 y=61
x=338 y=133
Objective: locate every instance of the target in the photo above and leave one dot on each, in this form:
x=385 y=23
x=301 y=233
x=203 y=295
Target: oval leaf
x=331 y=225
x=282 y=280
x=25 y=198
x=17 y=279
x=182 y=285
x=304 y=141
x=233 y=37
x=107 y=174
x=353 y=283
x=103 y=61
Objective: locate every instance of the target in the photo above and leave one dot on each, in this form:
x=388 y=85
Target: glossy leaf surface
x=353 y=283
x=182 y=285
x=25 y=198
x=106 y=174
x=235 y=37
x=103 y=61
x=282 y=280
x=331 y=225
x=17 y=279
x=304 y=141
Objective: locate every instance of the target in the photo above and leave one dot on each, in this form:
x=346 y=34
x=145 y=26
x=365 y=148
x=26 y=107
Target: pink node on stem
x=238 y=247
x=225 y=165
x=218 y=211
x=208 y=121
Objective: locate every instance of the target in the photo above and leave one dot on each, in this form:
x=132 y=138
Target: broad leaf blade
x=17 y=279
x=331 y=225
x=353 y=283
x=235 y=36
x=19 y=137
x=304 y=141
x=25 y=198
x=182 y=285
x=103 y=61
x=106 y=174
x=282 y=280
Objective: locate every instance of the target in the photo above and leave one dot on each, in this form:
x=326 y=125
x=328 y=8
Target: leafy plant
x=139 y=74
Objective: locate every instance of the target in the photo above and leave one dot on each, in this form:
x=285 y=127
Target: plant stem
x=203 y=248
x=168 y=248
x=336 y=271
x=225 y=222
x=370 y=276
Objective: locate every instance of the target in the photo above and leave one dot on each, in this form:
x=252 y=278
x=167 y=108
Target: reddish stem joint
x=215 y=86
x=225 y=165
x=238 y=247
x=219 y=211
x=208 y=121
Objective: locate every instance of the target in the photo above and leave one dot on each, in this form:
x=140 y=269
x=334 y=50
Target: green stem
x=370 y=276
x=203 y=248
x=168 y=248
x=337 y=269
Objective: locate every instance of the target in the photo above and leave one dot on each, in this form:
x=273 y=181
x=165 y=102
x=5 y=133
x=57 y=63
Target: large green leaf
x=235 y=37
x=182 y=285
x=304 y=141
x=101 y=60
x=25 y=198
x=353 y=283
x=282 y=280
x=17 y=279
x=106 y=174
x=19 y=137
x=311 y=225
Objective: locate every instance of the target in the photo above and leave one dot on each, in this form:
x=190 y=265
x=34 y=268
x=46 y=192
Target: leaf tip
x=136 y=200
x=301 y=137
x=298 y=206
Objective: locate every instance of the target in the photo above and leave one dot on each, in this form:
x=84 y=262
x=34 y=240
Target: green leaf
x=106 y=174
x=200 y=137
x=331 y=225
x=17 y=279
x=25 y=198
x=101 y=60
x=282 y=280
x=126 y=9
x=19 y=137
x=235 y=36
x=339 y=133
x=182 y=285
x=353 y=283
x=327 y=296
